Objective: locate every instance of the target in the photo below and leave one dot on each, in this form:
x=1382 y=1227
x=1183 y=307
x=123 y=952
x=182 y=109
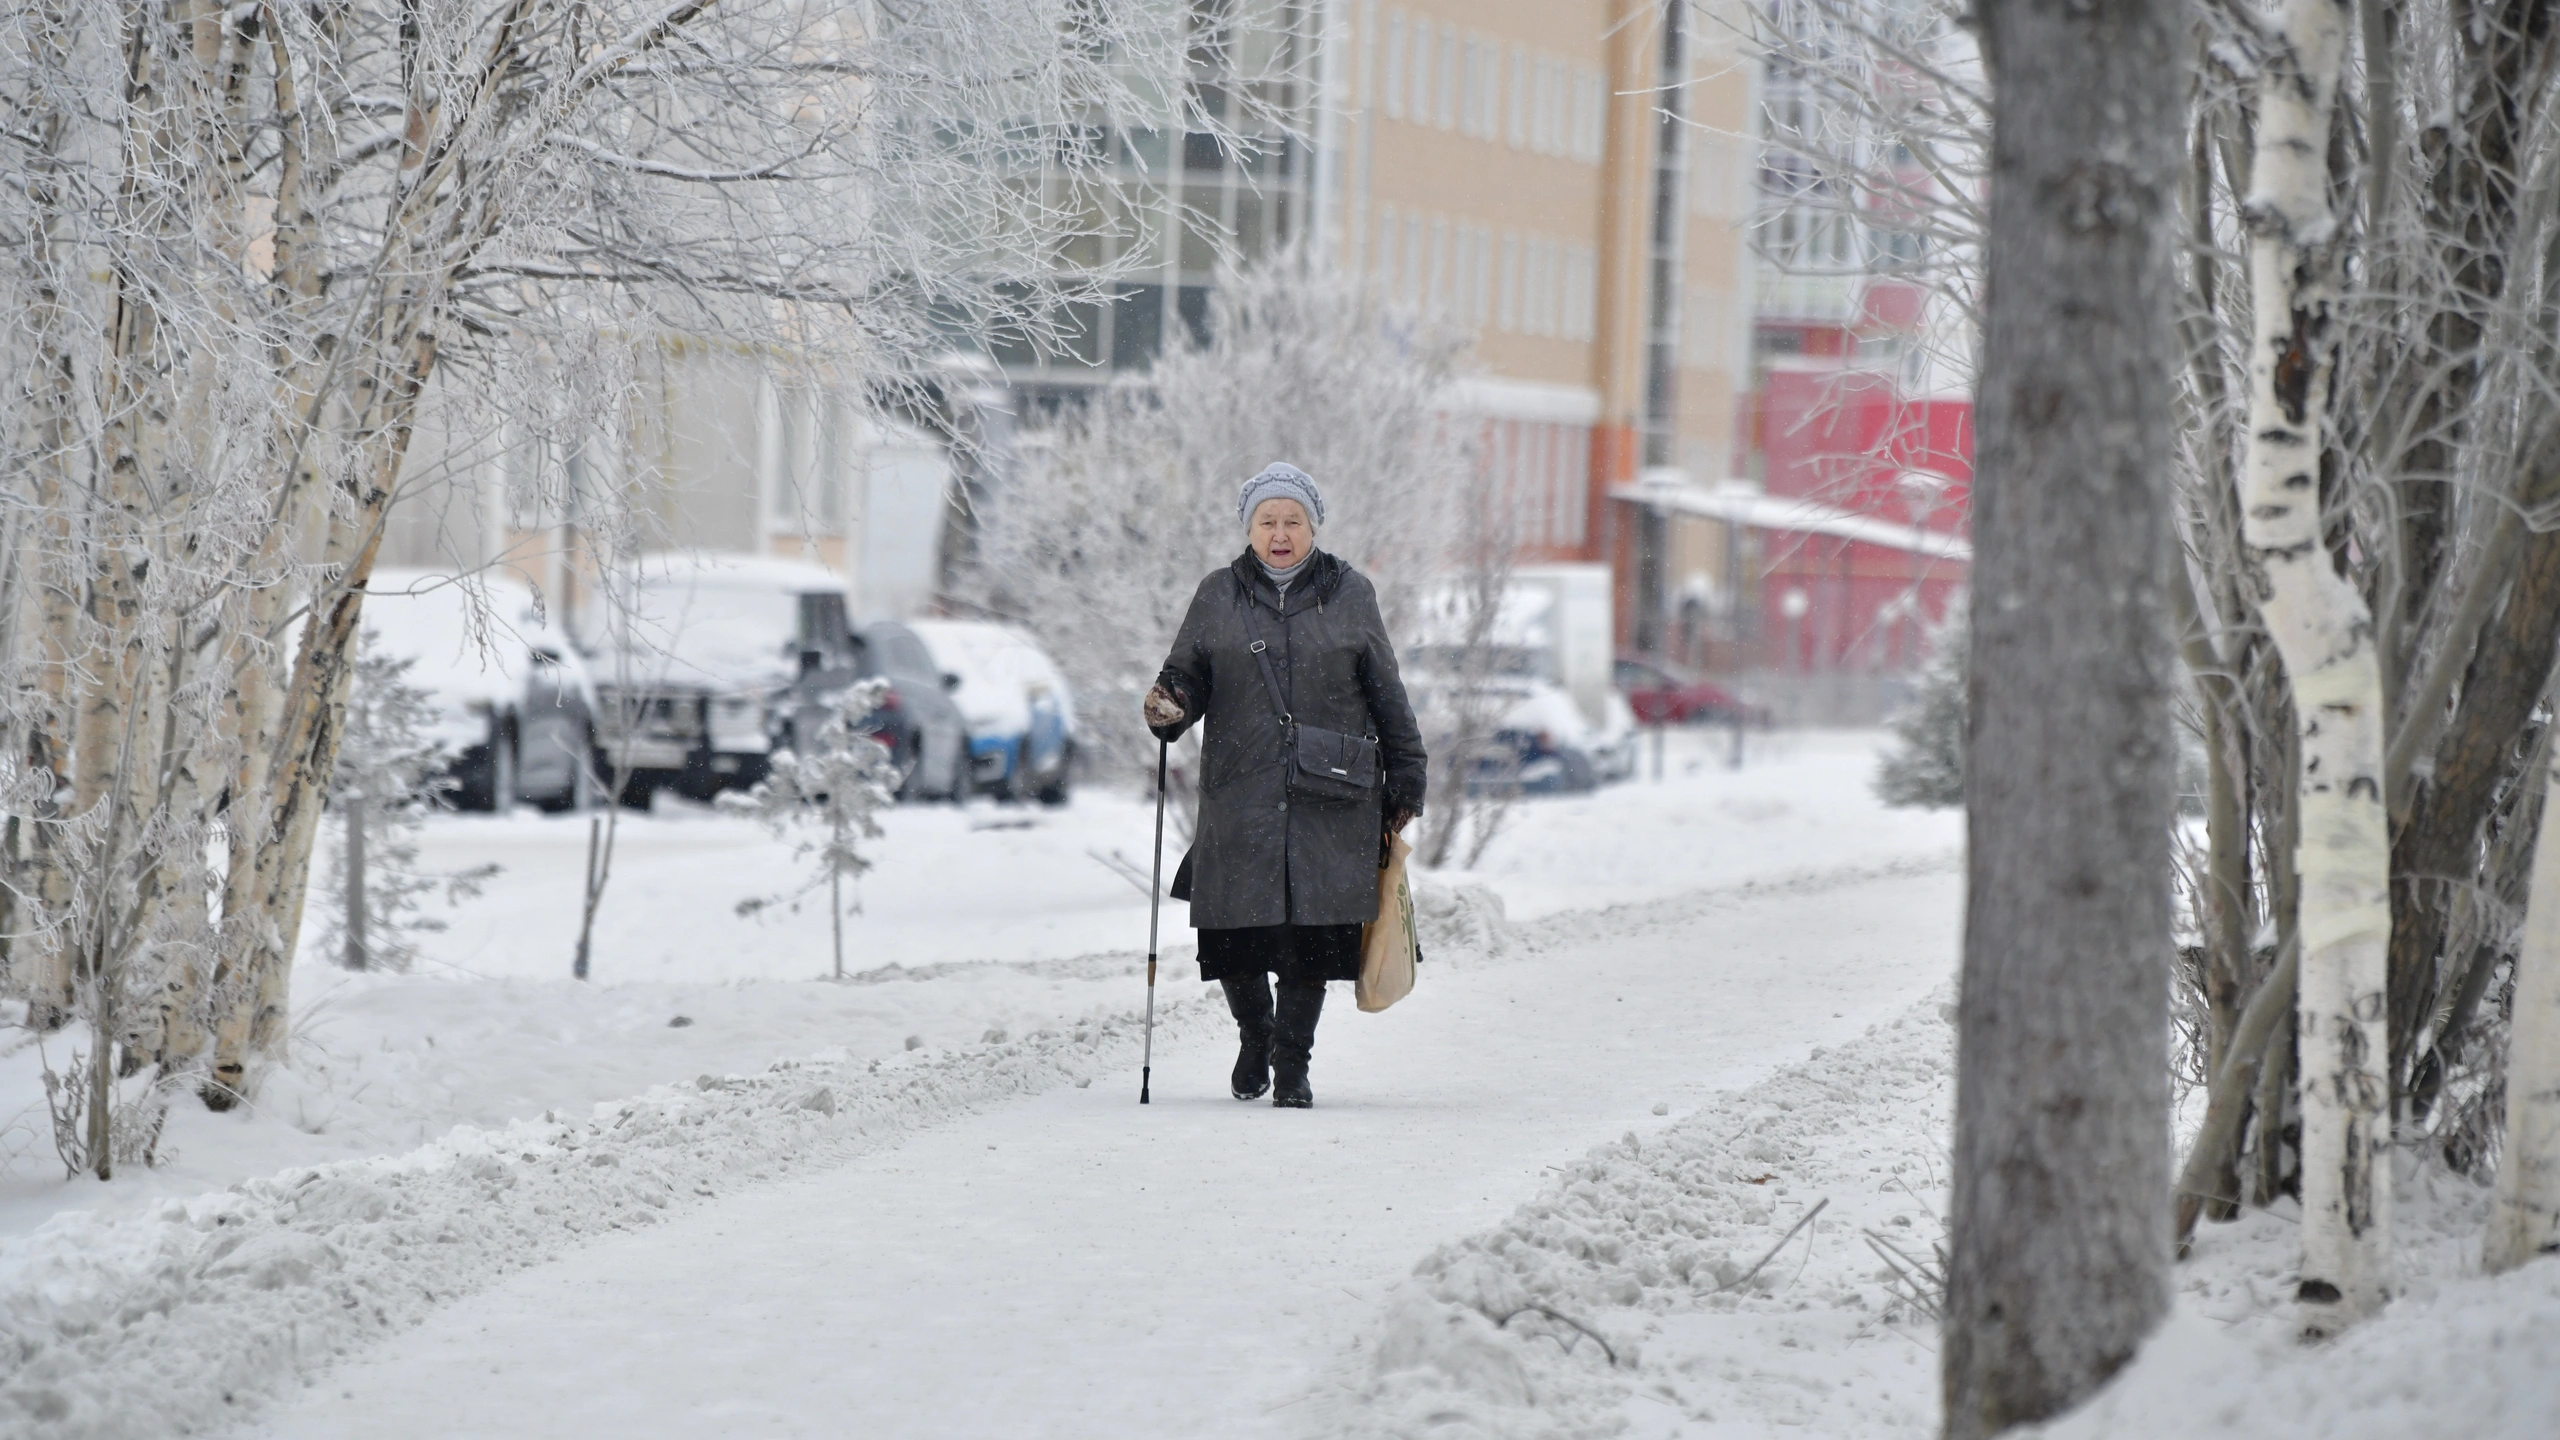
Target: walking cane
x=1155 y=906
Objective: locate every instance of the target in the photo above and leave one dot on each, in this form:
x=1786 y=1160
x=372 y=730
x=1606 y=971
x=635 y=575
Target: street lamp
x=1793 y=605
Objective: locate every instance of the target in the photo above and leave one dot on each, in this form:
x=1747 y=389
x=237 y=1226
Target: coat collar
x=1315 y=587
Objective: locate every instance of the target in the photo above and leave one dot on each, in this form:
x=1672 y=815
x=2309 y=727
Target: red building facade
x=1881 y=482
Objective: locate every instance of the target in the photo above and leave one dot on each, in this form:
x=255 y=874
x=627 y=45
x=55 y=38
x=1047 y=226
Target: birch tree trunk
x=2059 y=1248
x=2524 y=1219
x=2325 y=635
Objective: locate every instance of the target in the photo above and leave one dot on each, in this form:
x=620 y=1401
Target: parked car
x=711 y=663
x=1550 y=746
x=1021 y=716
x=918 y=720
x=515 y=711
x=1615 y=741
x=1538 y=740
x=1666 y=695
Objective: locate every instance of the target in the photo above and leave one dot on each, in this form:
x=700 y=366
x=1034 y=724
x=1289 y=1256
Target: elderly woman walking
x=1310 y=761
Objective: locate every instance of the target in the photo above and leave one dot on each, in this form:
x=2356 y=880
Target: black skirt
x=1298 y=954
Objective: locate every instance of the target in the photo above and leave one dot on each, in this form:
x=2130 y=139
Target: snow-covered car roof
x=1520 y=702
x=1001 y=667
x=1537 y=705
x=469 y=641
x=730 y=621
x=678 y=568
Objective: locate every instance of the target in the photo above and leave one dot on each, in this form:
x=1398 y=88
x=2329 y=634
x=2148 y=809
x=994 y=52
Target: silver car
x=515 y=712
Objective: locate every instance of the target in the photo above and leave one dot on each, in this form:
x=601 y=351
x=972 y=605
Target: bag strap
x=1261 y=653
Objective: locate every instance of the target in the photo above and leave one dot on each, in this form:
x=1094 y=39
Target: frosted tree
x=2524 y=1218
x=1926 y=766
x=1472 y=785
x=1136 y=498
x=384 y=783
x=257 y=244
x=2324 y=633
x=2059 y=1239
x=824 y=795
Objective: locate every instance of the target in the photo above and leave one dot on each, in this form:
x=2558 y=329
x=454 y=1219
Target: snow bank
x=1802 y=804
x=1460 y=917
x=2458 y=1353
x=1624 y=1300
x=182 y=1320
x=1656 y=1282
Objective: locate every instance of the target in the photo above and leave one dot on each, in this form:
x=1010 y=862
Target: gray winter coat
x=1263 y=856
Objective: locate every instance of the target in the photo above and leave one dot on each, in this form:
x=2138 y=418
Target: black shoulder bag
x=1323 y=764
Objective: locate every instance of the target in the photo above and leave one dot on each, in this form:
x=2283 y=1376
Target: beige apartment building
x=1570 y=180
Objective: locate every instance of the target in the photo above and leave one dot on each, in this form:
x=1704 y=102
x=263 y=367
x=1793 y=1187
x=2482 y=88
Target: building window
x=1582 y=293
x=1590 y=114
x=1573 y=495
x=1552 y=109
x=1467 y=86
x=1507 y=296
x=1447 y=81
x=804 y=490
x=1419 y=104
x=1533 y=307
x=1382 y=252
x=1519 y=98
x=1471 y=270
x=1416 y=237
x=1556 y=296
x=1436 y=298
x=1192 y=303
x=1471 y=277
x=1483 y=76
x=1395 y=65
x=1137 y=327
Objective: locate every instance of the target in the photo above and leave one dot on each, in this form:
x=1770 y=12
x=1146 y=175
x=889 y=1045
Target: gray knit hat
x=1283 y=481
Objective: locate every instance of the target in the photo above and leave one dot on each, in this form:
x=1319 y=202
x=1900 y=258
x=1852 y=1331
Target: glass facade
x=1178 y=207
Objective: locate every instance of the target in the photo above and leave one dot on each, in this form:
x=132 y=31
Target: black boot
x=1293 y=1040
x=1249 y=1000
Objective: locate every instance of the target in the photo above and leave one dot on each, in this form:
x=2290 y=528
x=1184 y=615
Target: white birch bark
x=2524 y=1217
x=2324 y=632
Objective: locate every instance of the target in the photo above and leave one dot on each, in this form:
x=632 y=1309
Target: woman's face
x=1280 y=534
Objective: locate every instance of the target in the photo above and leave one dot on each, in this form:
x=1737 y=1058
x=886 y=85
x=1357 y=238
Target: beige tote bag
x=1387 y=943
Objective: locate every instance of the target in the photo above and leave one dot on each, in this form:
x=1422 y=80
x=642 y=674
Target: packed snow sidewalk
x=1071 y=1264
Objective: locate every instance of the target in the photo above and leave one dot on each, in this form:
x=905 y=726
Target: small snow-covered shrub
x=384 y=781
x=827 y=791
x=1925 y=768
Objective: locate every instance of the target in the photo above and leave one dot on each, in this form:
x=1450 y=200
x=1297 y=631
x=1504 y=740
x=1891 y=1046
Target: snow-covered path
x=1074 y=1265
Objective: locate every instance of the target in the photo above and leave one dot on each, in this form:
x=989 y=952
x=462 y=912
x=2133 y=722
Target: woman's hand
x=1162 y=709
x=1387 y=837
